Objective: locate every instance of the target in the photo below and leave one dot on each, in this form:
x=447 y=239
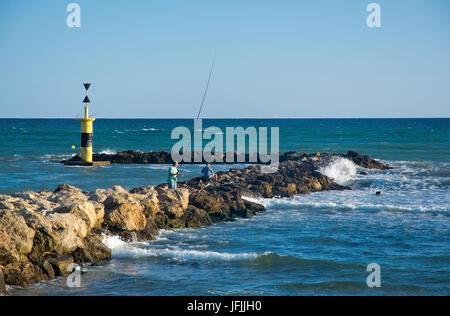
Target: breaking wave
x=108 y=151
x=121 y=249
x=417 y=187
x=340 y=170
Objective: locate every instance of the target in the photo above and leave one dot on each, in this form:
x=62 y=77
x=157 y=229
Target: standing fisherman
x=173 y=175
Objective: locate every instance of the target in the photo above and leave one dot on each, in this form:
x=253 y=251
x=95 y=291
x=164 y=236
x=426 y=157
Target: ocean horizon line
x=230 y=118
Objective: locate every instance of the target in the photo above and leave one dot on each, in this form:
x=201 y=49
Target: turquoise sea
x=317 y=244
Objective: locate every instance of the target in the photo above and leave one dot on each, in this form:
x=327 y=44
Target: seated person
x=208 y=173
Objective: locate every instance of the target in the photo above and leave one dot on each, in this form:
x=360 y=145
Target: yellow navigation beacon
x=87 y=131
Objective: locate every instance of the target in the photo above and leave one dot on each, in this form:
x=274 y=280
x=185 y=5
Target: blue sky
x=150 y=59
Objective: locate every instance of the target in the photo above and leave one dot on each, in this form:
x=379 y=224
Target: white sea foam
x=364 y=201
x=157 y=167
x=55 y=157
x=121 y=249
x=341 y=170
x=108 y=151
x=409 y=187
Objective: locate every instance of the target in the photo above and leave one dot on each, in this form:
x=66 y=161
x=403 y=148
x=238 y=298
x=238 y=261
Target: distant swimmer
x=378 y=193
x=173 y=176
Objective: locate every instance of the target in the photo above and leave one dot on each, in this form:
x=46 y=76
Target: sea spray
x=340 y=170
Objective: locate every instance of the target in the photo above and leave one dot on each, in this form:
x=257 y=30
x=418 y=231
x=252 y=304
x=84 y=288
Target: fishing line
x=207 y=86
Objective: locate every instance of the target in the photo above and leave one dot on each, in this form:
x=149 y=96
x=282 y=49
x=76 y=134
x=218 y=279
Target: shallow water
x=316 y=244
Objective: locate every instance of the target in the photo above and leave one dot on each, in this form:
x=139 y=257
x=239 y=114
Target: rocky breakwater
x=163 y=157
x=42 y=233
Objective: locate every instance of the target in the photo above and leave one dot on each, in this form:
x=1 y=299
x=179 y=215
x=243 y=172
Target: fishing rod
x=207 y=86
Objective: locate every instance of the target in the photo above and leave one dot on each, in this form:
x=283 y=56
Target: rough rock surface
x=93 y=250
x=2 y=281
x=23 y=274
x=62 y=264
x=42 y=233
x=16 y=238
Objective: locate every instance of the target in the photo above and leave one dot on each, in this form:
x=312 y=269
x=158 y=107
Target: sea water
x=319 y=244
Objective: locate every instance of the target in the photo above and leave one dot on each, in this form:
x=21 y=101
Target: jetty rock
x=163 y=157
x=42 y=233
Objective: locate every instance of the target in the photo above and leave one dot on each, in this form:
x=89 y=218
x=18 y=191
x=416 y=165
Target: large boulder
x=70 y=229
x=38 y=201
x=16 y=238
x=239 y=207
x=115 y=200
x=11 y=203
x=46 y=240
x=213 y=203
x=151 y=208
x=173 y=202
x=23 y=274
x=117 y=196
x=67 y=194
x=61 y=265
x=127 y=216
x=209 y=201
x=98 y=195
x=366 y=162
x=149 y=233
x=265 y=189
x=84 y=210
x=41 y=260
x=100 y=212
x=285 y=190
x=194 y=217
x=93 y=250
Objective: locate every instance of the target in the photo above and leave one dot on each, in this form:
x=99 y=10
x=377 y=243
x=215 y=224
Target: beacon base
x=87 y=164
